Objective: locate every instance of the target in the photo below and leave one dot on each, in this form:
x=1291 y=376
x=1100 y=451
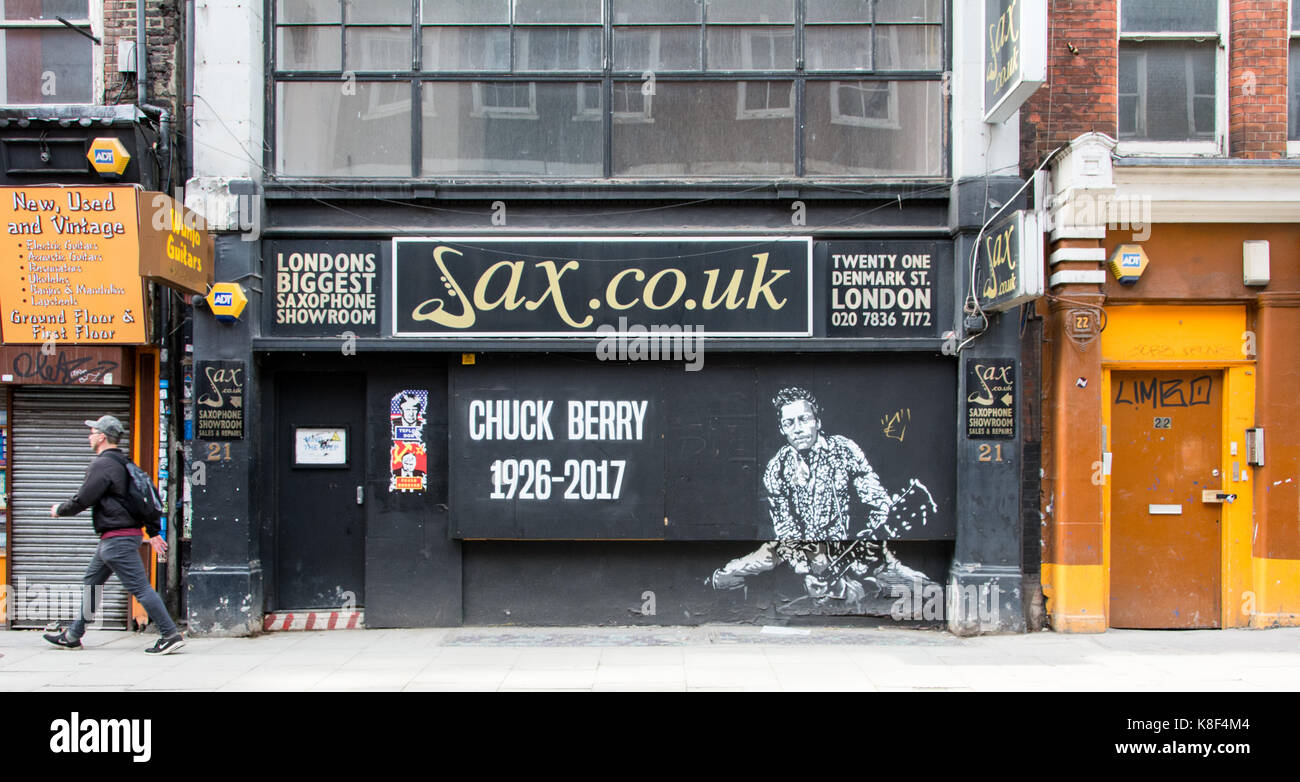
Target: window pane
x=46 y=9
x=751 y=48
x=838 y=11
x=322 y=131
x=557 y=11
x=909 y=47
x=845 y=48
x=51 y=65
x=1293 y=94
x=710 y=129
x=308 y=48
x=466 y=11
x=379 y=48
x=1174 y=84
x=656 y=48
x=1164 y=16
x=874 y=128
x=379 y=11
x=909 y=10
x=558 y=49
x=657 y=12
x=751 y=11
x=550 y=129
x=1295 y=18
x=308 y=11
x=466 y=49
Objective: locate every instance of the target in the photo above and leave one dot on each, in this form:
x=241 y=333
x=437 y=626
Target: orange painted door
x=1164 y=539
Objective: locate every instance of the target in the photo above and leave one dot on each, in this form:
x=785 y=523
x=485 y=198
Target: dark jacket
x=104 y=490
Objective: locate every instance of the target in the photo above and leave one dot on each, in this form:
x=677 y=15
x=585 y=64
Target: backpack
x=141 y=500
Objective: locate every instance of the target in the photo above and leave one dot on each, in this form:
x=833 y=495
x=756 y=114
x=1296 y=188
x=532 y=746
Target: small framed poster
x=320 y=446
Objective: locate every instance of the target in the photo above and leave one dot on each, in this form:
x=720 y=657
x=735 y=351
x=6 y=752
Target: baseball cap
x=107 y=424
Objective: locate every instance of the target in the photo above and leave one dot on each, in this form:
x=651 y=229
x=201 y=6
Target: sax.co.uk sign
x=567 y=287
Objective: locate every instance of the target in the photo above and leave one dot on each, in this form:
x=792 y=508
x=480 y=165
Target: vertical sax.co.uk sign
x=1015 y=55
x=1009 y=271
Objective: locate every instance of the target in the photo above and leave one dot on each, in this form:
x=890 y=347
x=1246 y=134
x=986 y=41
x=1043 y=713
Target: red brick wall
x=1083 y=63
x=1082 y=69
x=166 y=54
x=1257 y=78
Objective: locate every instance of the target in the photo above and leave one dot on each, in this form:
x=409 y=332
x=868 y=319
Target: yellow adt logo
x=108 y=156
x=1127 y=263
x=227 y=301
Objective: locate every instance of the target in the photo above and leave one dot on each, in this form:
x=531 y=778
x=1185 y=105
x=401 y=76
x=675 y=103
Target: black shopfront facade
x=483 y=226
x=594 y=416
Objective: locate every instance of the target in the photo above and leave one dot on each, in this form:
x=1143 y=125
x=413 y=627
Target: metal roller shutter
x=50 y=456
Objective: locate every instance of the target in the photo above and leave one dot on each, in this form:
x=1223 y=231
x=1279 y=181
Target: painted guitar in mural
x=910 y=509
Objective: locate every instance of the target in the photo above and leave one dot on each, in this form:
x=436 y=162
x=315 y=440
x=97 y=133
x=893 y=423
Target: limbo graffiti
x=832 y=516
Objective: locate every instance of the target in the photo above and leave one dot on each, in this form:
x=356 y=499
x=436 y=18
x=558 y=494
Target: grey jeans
x=120 y=556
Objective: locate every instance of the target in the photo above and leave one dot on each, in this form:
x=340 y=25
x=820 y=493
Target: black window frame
x=607 y=76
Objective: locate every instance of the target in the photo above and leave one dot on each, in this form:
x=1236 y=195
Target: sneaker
x=166 y=645
x=61 y=640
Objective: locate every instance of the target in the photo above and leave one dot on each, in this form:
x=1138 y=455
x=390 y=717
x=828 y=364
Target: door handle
x=361 y=494
x=1214 y=495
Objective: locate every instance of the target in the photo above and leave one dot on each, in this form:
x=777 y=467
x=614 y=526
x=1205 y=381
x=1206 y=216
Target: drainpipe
x=188 y=118
x=163 y=114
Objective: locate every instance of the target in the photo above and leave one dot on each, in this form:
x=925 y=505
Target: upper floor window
x=609 y=88
x=44 y=60
x=1293 y=82
x=1169 y=66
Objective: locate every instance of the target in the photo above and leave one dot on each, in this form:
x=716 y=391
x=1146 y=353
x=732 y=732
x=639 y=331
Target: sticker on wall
x=408 y=467
x=408 y=461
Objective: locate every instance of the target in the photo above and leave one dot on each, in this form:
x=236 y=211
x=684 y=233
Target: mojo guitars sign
x=1009 y=268
x=529 y=287
x=1015 y=54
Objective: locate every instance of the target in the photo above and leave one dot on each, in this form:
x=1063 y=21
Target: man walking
x=119 y=539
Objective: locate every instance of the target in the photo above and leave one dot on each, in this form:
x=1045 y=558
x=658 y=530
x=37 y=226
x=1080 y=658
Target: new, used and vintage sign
x=884 y=288
x=1009 y=267
x=71 y=266
x=324 y=288
x=797 y=449
x=75 y=260
x=990 y=398
x=529 y=287
x=1015 y=54
x=219 y=400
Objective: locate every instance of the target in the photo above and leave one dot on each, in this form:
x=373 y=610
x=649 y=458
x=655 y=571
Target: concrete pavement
x=711 y=657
